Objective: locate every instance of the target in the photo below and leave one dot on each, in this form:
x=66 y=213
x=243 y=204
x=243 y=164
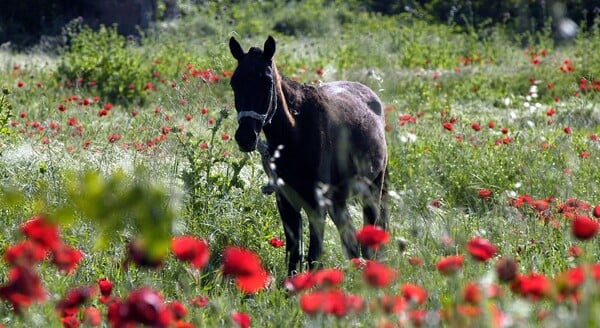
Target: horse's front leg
x=315 y=247
x=292 y=227
x=316 y=224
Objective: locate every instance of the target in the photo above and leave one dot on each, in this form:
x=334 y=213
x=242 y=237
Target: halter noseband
x=268 y=116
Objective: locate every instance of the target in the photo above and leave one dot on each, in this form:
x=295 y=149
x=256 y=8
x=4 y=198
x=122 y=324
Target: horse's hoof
x=268 y=189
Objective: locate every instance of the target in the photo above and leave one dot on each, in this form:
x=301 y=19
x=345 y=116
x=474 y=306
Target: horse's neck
x=282 y=127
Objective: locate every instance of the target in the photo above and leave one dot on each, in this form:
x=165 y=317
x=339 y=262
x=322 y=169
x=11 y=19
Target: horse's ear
x=269 y=48
x=236 y=49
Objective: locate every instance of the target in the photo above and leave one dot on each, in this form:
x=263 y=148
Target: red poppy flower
x=328 y=277
x=569 y=282
x=41 y=230
x=191 y=249
x=114 y=137
x=142 y=306
x=506 y=269
x=246 y=267
x=106 y=287
x=378 y=275
x=520 y=200
x=534 y=285
x=484 y=193
x=354 y=303
x=299 y=282
x=493 y=291
x=481 y=249
x=23 y=288
x=468 y=310
x=253 y=283
x=138 y=254
x=70 y=321
x=596 y=211
x=26 y=253
x=276 y=242
x=476 y=126
x=178 y=310
x=372 y=236
x=358 y=263
x=92 y=316
x=414 y=293
x=311 y=303
x=472 y=293
x=573 y=207
x=415 y=260
x=575 y=251
x=333 y=301
x=407 y=118
x=241 y=319
x=448 y=126
x=391 y=303
x=540 y=205
x=450 y=264
x=594 y=269
x=66 y=258
x=240 y=261
x=584 y=227
x=75 y=297
x=417 y=317
x=199 y=301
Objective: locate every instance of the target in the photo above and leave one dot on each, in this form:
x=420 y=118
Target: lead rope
x=265 y=157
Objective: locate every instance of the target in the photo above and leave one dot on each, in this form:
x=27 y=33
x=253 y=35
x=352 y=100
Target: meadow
x=125 y=201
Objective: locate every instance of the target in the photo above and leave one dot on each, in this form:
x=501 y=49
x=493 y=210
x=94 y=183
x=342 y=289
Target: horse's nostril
x=246 y=139
x=246 y=144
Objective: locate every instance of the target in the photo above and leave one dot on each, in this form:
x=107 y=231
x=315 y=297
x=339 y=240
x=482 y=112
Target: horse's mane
x=279 y=90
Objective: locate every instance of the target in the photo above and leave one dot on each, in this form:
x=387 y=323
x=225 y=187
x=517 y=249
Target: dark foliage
x=24 y=23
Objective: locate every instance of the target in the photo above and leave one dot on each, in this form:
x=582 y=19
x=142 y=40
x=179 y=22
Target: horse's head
x=254 y=88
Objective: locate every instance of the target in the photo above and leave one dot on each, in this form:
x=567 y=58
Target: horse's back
x=354 y=93
x=356 y=126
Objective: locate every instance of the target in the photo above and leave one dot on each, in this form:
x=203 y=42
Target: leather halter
x=268 y=116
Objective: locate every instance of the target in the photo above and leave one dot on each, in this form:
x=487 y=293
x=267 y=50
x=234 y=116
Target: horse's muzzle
x=246 y=141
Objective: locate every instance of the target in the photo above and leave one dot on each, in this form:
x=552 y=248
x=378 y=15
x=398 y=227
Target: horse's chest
x=298 y=170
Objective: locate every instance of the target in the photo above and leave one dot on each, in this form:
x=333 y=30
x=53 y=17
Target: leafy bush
x=307 y=18
x=104 y=60
x=209 y=171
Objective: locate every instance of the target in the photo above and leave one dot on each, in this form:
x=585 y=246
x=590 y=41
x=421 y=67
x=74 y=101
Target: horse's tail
x=383 y=204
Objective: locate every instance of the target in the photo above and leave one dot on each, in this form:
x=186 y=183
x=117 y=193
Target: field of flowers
x=125 y=201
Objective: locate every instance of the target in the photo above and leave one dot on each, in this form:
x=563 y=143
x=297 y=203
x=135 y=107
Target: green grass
x=213 y=191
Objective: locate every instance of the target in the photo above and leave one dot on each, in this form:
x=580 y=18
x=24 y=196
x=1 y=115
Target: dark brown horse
x=325 y=142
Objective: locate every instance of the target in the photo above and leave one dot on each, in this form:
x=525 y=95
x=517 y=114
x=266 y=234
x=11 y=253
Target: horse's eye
x=265 y=78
